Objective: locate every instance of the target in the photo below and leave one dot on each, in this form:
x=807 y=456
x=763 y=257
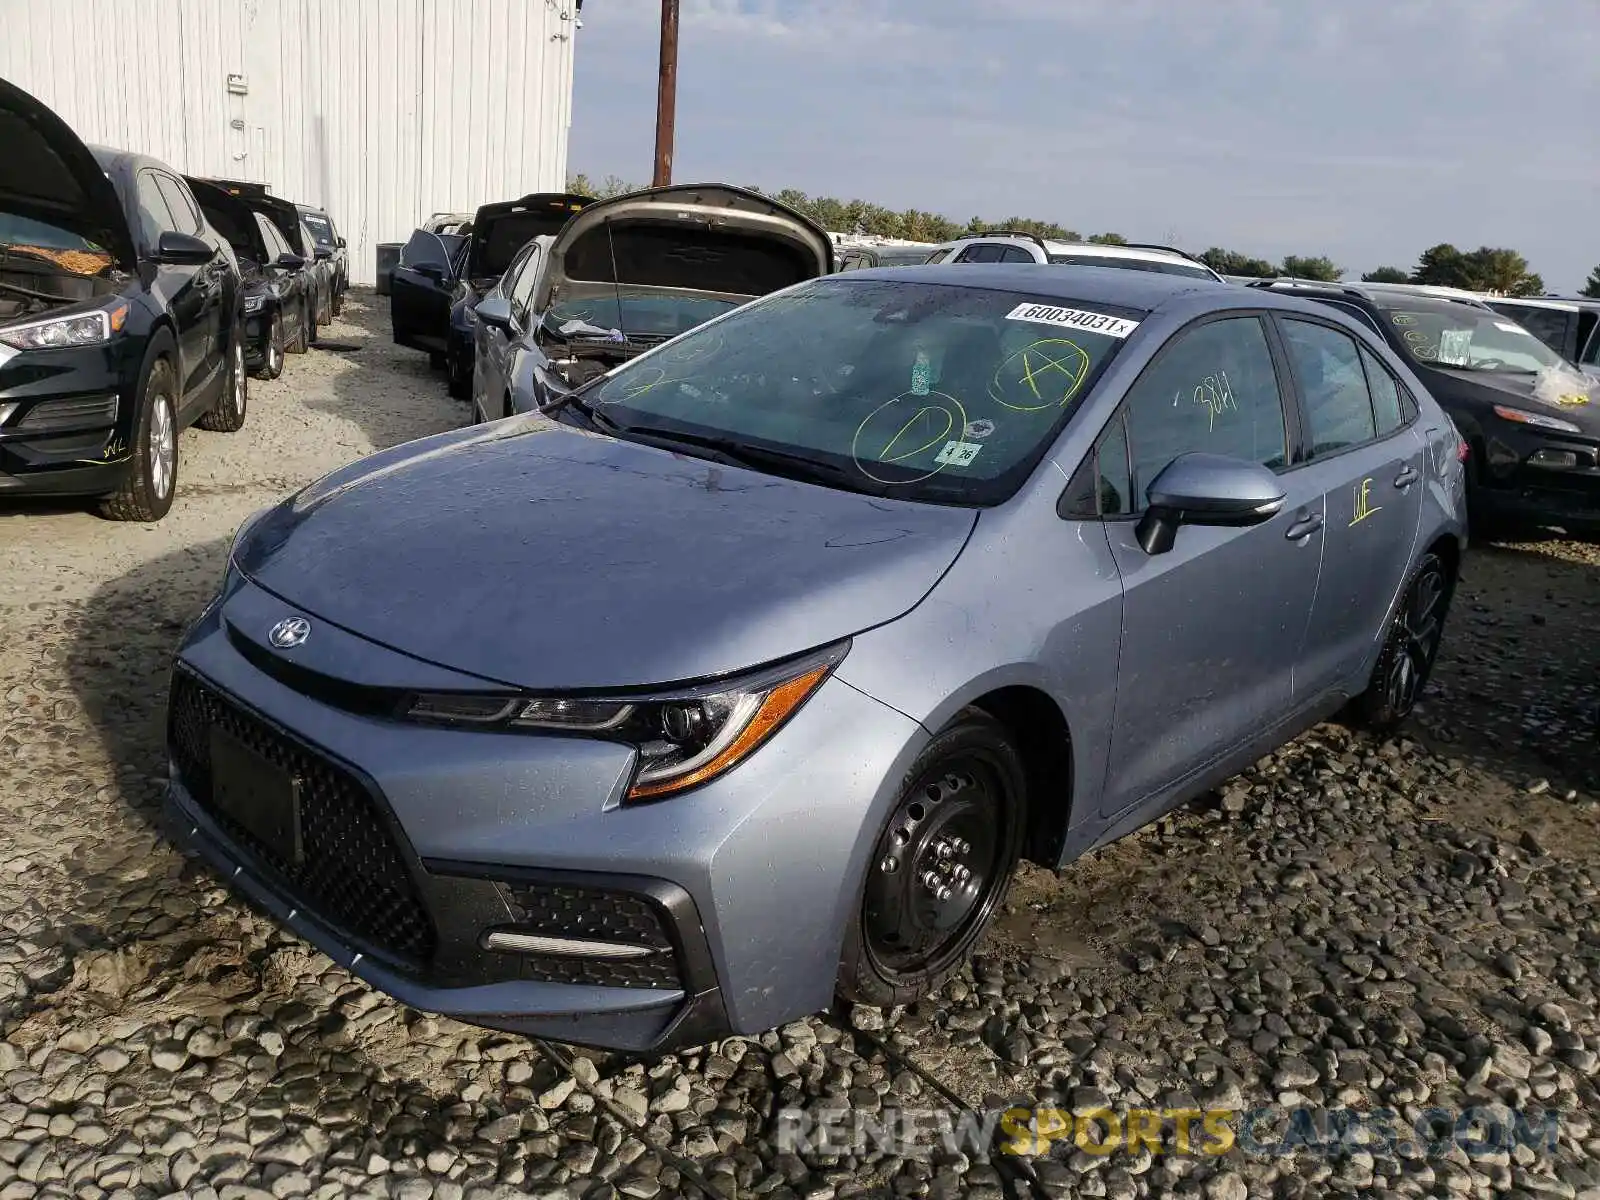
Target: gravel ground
x=1353 y=923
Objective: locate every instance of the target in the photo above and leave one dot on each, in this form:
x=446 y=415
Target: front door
x=420 y=291
x=1212 y=628
x=1367 y=457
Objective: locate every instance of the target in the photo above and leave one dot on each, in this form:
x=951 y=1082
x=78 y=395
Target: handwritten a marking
x=1047 y=361
x=1364 y=507
x=1215 y=394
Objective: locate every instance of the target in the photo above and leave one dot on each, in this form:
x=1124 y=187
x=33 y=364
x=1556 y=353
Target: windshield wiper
x=741 y=454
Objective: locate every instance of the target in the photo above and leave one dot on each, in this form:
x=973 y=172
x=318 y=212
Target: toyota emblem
x=290 y=632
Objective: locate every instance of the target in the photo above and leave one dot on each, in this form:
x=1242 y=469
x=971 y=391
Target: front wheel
x=272 y=361
x=146 y=493
x=301 y=342
x=940 y=865
x=1409 y=649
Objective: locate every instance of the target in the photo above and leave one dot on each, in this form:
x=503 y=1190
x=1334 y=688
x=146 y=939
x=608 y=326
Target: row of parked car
x=134 y=302
x=524 y=301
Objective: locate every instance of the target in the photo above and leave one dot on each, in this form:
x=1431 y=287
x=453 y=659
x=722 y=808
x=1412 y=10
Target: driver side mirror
x=339 y=242
x=290 y=262
x=1207 y=489
x=495 y=311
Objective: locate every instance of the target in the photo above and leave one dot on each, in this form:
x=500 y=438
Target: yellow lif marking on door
x=1364 y=507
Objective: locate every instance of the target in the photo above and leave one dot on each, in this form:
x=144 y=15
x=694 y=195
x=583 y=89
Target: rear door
x=420 y=288
x=1212 y=628
x=495 y=347
x=212 y=280
x=1365 y=454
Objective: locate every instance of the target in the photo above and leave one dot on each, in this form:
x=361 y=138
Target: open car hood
x=48 y=174
x=229 y=216
x=500 y=230
x=282 y=213
x=706 y=240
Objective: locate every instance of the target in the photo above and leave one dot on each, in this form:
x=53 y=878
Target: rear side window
x=1386 y=408
x=937 y=256
x=1550 y=325
x=1213 y=389
x=1334 y=385
x=1015 y=254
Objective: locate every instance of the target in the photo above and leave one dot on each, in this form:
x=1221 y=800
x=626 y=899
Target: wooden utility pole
x=667 y=93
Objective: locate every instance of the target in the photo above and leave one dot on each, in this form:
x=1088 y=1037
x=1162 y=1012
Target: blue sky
x=1362 y=129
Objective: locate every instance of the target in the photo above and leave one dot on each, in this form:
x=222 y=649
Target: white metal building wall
x=384 y=111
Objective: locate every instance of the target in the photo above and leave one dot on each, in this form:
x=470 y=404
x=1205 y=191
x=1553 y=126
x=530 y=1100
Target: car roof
x=1371 y=291
x=1557 y=302
x=1142 y=290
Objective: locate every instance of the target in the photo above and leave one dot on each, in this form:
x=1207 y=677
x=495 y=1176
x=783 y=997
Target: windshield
x=321 y=228
x=1158 y=266
x=1459 y=337
x=915 y=390
x=42 y=244
x=636 y=315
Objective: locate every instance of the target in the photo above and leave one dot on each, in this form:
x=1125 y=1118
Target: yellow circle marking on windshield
x=942 y=405
x=694 y=350
x=652 y=378
x=1038 y=369
x=1403 y=319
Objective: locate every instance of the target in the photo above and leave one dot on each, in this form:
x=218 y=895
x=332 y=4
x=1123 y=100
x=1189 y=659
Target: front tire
x=1409 y=649
x=940 y=865
x=301 y=342
x=146 y=494
x=228 y=414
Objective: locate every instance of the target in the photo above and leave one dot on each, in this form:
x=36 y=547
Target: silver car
x=747 y=684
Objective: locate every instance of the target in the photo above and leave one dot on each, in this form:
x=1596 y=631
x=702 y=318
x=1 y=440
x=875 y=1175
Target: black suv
x=118 y=318
x=1530 y=418
x=329 y=242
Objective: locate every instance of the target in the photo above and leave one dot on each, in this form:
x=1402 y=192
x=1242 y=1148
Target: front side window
x=1213 y=389
x=1459 y=337
x=527 y=277
x=185 y=214
x=909 y=389
x=155 y=218
x=1333 y=385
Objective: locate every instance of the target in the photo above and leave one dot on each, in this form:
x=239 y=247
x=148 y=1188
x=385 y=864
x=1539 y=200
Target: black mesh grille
x=353 y=874
x=86 y=412
x=560 y=910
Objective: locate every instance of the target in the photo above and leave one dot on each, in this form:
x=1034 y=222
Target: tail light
x=1463 y=450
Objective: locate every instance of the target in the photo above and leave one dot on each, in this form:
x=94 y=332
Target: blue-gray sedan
x=745 y=683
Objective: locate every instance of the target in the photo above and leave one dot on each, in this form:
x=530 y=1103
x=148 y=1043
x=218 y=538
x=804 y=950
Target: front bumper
x=420 y=841
x=64 y=420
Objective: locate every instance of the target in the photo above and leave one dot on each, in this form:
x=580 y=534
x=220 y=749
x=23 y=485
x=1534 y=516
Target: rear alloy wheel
x=228 y=415
x=272 y=361
x=146 y=493
x=301 y=341
x=1409 y=649
x=940 y=866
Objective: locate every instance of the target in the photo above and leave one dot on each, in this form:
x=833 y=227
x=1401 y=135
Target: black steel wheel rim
x=938 y=868
x=1419 y=625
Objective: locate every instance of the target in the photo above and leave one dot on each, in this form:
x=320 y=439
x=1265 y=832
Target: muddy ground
x=1353 y=924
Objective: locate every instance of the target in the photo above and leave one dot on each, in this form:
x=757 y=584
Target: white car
x=1009 y=246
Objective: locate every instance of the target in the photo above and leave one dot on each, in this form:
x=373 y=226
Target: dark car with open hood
x=1529 y=418
x=118 y=318
x=626 y=274
x=276 y=292
x=432 y=294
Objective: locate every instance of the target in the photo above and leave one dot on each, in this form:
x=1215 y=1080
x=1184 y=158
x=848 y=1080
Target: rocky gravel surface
x=1353 y=924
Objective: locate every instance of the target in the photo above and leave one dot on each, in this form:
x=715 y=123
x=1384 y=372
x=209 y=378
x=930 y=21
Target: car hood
x=48 y=174
x=1517 y=390
x=500 y=230
x=538 y=556
x=698 y=239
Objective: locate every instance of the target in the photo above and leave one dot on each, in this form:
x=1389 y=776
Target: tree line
x=1486 y=269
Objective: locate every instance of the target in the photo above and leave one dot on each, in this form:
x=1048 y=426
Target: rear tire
x=301 y=341
x=229 y=413
x=338 y=303
x=940 y=865
x=1409 y=649
x=272 y=362
x=146 y=494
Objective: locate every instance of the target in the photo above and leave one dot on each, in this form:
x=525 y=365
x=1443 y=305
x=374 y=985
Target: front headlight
x=254 y=304
x=684 y=738
x=57 y=333
x=1521 y=416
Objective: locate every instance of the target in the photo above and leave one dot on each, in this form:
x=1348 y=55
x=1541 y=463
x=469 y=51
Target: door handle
x=1408 y=475
x=1304 y=527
